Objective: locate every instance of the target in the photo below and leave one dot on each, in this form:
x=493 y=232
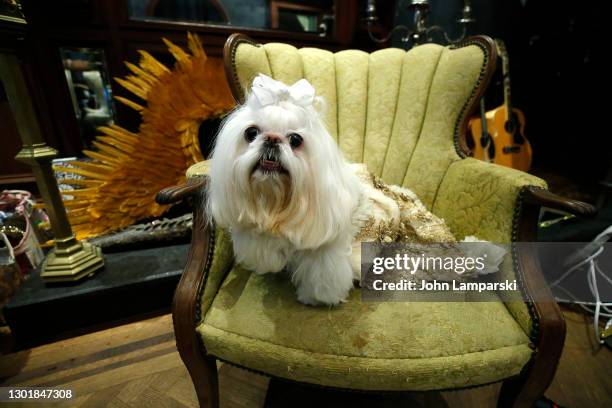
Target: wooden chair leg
x=204 y=378
x=549 y=324
x=511 y=394
x=525 y=389
x=186 y=306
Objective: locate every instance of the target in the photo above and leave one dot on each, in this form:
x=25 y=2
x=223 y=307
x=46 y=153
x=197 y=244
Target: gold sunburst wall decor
x=118 y=186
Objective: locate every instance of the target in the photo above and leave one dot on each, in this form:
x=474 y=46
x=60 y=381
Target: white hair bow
x=268 y=91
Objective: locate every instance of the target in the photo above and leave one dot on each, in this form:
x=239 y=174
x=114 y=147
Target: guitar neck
x=507 y=94
x=483 y=116
x=503 y=53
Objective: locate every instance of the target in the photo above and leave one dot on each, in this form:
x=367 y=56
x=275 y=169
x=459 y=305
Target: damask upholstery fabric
x=397 y=112
x=399 y=107
x=222 y=261
x=255 y=321
x=478 y=198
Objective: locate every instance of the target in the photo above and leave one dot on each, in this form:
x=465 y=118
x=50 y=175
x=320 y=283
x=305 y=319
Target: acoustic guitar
x=498 y=134
x=484 y=147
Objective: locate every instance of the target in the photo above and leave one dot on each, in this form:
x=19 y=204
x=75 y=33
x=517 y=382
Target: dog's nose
x=272 y=138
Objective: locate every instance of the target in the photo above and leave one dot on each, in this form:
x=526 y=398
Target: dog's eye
x=251 y=133
x=295 y=140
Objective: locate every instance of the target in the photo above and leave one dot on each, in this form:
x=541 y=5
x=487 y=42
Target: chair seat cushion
x=256 y=322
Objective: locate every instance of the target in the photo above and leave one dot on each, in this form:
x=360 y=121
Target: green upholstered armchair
x=403 y=114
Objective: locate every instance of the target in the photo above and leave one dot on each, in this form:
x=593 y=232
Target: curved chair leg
x=510 y=393
x=527 y=388
x=186 y=305
x=204 y=378
x=530 y=385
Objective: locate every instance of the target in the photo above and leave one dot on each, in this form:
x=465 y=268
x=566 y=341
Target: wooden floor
x=136 y=365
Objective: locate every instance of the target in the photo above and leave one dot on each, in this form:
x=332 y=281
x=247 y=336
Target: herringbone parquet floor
x=136 y=365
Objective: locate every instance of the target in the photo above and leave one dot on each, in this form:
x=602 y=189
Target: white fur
x=302 y=218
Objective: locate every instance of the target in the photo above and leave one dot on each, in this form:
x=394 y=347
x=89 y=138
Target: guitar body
x=499 y=134
x=502 y=147
x=512 y=149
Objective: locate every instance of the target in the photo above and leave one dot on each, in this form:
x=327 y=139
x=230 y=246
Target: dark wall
x=558 y=75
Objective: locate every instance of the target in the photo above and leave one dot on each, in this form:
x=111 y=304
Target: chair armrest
x=209 y=260
x=484 y=200
x=479 y=198
x=503 y=205
x=210 y=257
x=171 y=195
x=544 y=198
x=186 y=306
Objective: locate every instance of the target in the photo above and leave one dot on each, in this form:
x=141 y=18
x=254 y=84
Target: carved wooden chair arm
x=171 y=195
x=186 y=303
x=548 y=331
x=544 y=198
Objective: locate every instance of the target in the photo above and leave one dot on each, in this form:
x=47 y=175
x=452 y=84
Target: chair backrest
x=402 y=113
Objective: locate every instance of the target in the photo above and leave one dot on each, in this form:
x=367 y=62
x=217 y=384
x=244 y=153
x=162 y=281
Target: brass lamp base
x=71 y=260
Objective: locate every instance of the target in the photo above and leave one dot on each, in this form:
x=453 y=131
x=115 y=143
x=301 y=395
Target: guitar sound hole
x=511 y=127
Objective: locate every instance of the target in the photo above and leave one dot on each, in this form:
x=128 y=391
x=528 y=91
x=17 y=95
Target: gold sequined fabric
x=411 y=223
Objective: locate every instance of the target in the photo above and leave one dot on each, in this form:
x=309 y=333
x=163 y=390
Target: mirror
x=89 y=86
x=309 y=16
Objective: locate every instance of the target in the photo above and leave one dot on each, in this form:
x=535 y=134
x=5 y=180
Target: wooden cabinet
x=115 y=30
x=12 y=172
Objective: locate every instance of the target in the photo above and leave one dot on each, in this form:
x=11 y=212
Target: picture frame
x=10 y=11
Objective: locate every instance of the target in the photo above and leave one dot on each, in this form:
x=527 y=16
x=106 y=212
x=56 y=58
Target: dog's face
x=276 y=169
x=274 y=141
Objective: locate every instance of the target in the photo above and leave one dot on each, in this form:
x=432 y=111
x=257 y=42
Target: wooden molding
x=21 y=178
x=276 y=6
x=487 y=45
x=229 y=63
x=152 y=5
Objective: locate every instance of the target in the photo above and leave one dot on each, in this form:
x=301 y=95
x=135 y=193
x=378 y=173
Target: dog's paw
x=311 y=297
x=307 y=300
x=323 y=276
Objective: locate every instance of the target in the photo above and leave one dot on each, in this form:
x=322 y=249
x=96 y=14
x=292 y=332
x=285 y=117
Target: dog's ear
x=219 y=202
x=328 y=191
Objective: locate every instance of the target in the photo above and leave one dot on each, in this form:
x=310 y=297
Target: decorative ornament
x=127 y=170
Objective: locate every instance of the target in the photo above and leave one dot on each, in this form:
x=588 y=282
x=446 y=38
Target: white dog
x=279 y=182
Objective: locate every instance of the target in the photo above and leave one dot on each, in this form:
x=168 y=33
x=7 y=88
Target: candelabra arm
x=388 y=36
x=421 y=32
x=446 y=37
